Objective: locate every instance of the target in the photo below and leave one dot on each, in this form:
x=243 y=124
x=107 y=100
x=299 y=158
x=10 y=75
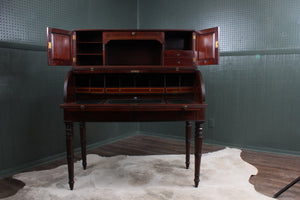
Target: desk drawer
x=179 y=61
x=179 y=90
x=178 y=53
x=133 y=35
x=89 y=90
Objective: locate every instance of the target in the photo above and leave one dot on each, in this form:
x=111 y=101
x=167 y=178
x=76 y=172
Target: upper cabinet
x=59 y=45
x=98 y=48
x=207 y=47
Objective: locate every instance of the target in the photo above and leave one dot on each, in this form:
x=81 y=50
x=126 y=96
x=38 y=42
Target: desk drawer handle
x=82 y=107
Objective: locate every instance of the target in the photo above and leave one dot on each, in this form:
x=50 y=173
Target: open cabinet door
x=207 y=47
x=59 y=45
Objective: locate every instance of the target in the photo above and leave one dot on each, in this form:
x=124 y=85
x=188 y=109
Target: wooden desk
x=133 y=76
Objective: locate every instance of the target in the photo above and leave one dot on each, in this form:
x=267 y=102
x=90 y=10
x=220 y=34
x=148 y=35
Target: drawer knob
x=178 y=62
x=132 y=33
x=178 y=54
x=82 y=107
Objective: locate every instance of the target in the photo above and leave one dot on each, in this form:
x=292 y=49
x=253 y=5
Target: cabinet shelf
x=89 y=59
x=178 y=40
x=89 y=48
x=89 y=36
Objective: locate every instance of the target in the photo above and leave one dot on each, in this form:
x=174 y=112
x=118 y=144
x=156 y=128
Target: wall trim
x=232 y=145
x=261 y=52
x=26 y=166
x=20 y=168
x=14 y=45
x=255 y=148
x=154 y=134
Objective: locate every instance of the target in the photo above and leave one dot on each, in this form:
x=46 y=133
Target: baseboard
x=20 y=168
x=147 y=133
x=255 y=148
x=110 y=140
x=26 y=166
x=218 y=143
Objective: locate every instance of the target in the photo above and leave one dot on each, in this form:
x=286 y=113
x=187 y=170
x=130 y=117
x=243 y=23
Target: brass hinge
x=194 y=59
x=74 y=59
x=217 y=44
x=194 y=37
x=49 y=45
x=74 y=36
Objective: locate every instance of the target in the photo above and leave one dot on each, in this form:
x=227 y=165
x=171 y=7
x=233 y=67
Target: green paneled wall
x=253 y=95
x=26 y=21
x=244 y=25
x=32 y=128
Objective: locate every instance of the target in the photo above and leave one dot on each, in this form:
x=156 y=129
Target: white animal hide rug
x=224 y=176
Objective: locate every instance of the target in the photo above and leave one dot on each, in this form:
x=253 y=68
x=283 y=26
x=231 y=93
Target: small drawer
x=89 y=90
x=133 y=35
x=179 y=90
x=134 y=90
x=178 y=53
x=178 y=61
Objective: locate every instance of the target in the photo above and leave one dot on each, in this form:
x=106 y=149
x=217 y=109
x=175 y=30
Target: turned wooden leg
x=198 y=150
x=188 y=129
x=83 y=143
x=70 y=152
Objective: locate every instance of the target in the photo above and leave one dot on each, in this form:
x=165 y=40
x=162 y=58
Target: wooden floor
x=274 y=170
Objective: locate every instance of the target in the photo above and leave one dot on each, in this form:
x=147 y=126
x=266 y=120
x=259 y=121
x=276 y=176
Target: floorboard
x=274 y=170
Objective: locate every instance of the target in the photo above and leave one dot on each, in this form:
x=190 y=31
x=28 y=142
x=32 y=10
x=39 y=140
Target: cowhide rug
x=224 y=175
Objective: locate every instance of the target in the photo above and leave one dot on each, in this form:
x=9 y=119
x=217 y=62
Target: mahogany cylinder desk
x=133 y=76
